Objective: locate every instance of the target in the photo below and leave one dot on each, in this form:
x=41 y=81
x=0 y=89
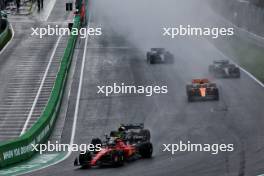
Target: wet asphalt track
x=237 y=118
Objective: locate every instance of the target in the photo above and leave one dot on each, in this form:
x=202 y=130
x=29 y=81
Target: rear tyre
x=146 y=134
x=145 y=150
x=189 y=97
x=216 y=95
x=151 y=60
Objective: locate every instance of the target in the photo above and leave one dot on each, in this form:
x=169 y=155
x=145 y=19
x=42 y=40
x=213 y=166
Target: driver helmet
x=121 y=128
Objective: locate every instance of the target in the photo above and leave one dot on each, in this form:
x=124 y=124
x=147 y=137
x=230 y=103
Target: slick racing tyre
x=145 y=149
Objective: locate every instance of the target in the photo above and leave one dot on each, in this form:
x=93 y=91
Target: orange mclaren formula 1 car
x=114 y=152
x=202 y=89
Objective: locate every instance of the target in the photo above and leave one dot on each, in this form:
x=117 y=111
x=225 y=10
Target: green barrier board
x=5 y=36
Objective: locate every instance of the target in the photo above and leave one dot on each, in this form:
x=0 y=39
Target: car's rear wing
x=221 y=62
x=207 y=85
x=158 y=49
x=133 y=126
x=200 y=81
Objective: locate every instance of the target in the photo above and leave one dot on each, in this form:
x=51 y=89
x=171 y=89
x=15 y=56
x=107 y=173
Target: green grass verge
x=247 y=54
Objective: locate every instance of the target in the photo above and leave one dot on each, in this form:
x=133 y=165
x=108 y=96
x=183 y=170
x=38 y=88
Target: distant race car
x=159 y=55
x=114 y=152
x=202 y=89
x=223 y=69
x=132 y=133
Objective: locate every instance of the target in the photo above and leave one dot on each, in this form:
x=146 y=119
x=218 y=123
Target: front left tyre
x=85 y=159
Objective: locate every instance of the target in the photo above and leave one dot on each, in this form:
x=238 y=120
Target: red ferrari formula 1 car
x=114 y=152
x=202 y=89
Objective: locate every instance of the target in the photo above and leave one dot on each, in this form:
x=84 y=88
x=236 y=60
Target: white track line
x=79 y=93
x=13 y=34
x=250 y=75
x=40 y=87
